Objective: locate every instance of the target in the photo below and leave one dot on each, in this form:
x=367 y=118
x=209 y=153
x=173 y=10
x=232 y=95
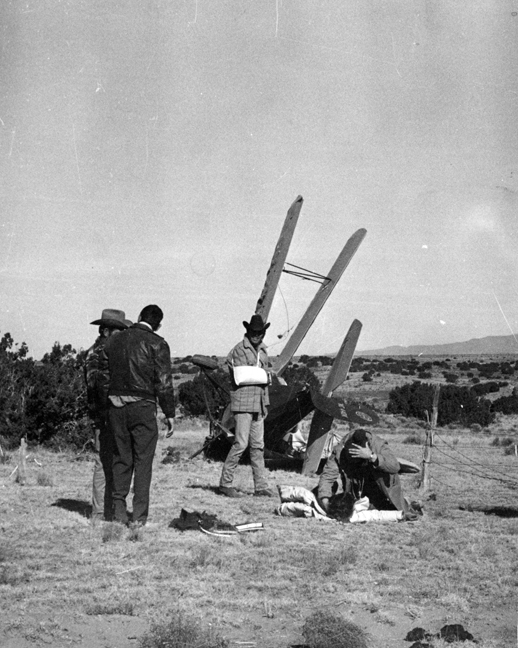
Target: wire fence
x=456 y=460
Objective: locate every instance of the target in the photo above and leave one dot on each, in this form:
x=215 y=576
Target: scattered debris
x=171 y=455
x=208 y=523
x=450 y=633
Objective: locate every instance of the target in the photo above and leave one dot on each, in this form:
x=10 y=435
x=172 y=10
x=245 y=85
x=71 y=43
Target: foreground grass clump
x=325 y=630
x=125 y=608
x=112 y=532
x=181 y=631
x=44 y=479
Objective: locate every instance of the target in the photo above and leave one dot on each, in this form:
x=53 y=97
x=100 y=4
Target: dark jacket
x=379 y=481
x=140 y=365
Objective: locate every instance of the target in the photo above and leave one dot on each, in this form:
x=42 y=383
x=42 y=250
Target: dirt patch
x=387 y=629
x=113 y=631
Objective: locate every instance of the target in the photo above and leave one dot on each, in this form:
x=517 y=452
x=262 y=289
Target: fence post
x=22 y=473
x=427 y=452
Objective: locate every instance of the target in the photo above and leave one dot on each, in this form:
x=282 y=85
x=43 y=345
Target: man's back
x=140 y=366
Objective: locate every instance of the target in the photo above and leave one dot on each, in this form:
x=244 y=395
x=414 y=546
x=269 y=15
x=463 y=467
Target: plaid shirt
x=248 y=398
x=97 y=379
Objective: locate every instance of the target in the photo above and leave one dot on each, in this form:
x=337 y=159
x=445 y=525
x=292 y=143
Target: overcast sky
x=150 y=149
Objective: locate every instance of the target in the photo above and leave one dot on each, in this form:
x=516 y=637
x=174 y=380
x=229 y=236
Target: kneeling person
x=368 y=468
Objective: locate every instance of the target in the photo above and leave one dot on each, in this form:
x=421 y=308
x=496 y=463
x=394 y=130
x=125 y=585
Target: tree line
x=45 y=400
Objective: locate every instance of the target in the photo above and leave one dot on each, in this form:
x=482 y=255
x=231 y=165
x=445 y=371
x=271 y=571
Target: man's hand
x=170 y=427
x=359 y=452
x=324 y=503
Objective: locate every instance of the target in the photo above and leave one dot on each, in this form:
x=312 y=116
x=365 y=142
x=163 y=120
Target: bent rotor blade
x=343 y=359
x=320 y=425
x=321 y=422
x=273 y=275
x=318 y=301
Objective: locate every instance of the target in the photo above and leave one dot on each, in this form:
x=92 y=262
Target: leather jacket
x=140 y=365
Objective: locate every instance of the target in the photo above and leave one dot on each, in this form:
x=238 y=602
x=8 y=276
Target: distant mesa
x=491 y=345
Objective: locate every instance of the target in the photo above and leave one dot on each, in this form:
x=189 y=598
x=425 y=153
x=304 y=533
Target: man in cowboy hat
x=97 y=378
x=249 y=404
x=140 y=378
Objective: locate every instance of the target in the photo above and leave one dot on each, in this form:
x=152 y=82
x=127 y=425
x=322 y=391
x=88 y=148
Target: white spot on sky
x=424 y=247
x=442 y=322
x=202 y=263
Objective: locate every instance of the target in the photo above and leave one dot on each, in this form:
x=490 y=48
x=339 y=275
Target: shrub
x=456 y=404
x=412 y=439
x=326 y=630
x=506 y=404
x=44 y=401
x=181 y=631
x=450 y=377
x=486 y=388
x=300 y=376
x=194 y=395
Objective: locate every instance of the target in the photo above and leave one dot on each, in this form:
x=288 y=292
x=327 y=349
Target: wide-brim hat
x=112 y=318
x=256 y=324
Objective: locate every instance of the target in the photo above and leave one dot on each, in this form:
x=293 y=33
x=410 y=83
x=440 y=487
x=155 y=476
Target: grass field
x=64 y=581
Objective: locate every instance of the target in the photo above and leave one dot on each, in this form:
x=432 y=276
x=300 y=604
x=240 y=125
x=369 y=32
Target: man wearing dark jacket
x=140 y=377
x=367 y=468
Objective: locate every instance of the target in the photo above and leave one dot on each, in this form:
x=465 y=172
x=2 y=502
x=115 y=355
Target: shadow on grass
x=287 y=464
x=74 y=506
x=499 y=511
x=205 y=487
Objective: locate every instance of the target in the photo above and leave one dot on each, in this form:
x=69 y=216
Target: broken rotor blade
x=273 y=275
x=344 y=357
x=321 y=422
x=318 y=301
x=320 y=425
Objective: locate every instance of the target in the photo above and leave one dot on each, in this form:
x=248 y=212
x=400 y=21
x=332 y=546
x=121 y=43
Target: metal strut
x=309 y=275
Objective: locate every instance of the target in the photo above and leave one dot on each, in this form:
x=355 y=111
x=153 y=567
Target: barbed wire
x=473 y=461
x=477 y=447
x=474 y=471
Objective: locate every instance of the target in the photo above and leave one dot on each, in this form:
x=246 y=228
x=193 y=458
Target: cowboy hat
x=112 y=318
x=256 y=324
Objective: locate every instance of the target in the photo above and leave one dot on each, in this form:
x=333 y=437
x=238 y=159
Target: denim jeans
x=102 y=483
x=249 y=431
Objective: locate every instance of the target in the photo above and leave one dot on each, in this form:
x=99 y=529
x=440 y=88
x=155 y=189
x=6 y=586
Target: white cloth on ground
x=297 y=501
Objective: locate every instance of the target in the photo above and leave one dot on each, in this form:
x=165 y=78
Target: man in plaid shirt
x=97 y=379
x=249 y=405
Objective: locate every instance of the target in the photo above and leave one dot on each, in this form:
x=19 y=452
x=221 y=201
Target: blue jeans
x=102 y=503
x=249 y=431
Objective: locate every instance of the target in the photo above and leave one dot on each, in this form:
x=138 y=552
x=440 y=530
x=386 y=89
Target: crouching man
x=367 y=467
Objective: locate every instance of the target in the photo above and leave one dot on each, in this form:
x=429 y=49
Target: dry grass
x=458 y=562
